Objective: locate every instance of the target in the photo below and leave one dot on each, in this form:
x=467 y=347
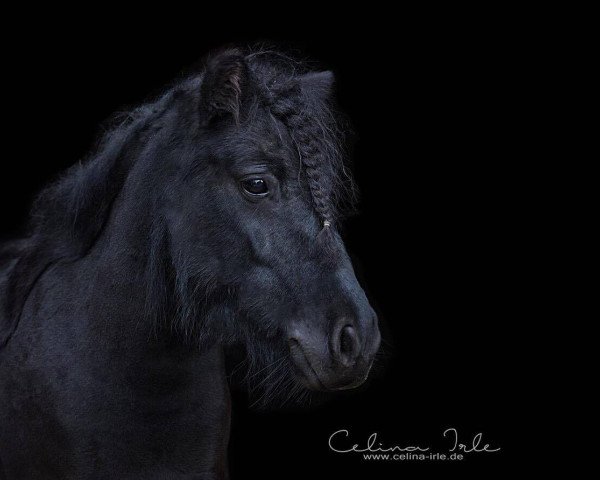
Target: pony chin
x=259 y=361
x=263 y=367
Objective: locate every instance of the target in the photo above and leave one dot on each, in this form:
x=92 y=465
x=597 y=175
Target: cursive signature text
x=473 y=446
x=370 y=446
x=339 y=442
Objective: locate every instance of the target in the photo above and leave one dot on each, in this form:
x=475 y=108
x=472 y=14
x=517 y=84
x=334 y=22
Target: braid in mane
x=305 y=134
x=316 y=127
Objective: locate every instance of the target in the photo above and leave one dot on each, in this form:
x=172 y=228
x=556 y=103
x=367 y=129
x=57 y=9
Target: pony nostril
x=347 y=345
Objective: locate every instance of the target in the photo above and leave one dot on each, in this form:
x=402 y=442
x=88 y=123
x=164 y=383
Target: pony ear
x=317 y=84
x=222 y=86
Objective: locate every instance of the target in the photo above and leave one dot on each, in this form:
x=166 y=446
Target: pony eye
x=255 y=186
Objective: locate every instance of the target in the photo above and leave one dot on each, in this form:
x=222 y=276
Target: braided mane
x=316 y=127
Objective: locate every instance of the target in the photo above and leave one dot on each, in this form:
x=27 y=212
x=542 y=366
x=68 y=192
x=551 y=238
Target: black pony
x=205 y=221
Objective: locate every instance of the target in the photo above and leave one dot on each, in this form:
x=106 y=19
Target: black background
x=437 y=104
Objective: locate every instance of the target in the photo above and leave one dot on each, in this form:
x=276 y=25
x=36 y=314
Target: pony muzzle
x=339 y=360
